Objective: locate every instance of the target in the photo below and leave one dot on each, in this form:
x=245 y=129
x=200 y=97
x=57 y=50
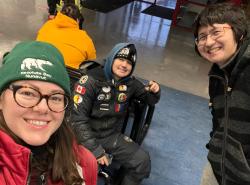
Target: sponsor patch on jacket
x=101 y=97
x=104 y=106
x=80 y=89
x=120 y=107
x=108 y=96
x=122 y=88
x=106 y=89
x=77 y=99
x=83 y=79
x=122 y=97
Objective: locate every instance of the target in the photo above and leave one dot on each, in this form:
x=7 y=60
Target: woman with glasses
x=37 y=145
x=222 y=38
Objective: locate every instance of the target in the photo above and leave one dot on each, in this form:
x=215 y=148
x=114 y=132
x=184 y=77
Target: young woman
x=36 y=143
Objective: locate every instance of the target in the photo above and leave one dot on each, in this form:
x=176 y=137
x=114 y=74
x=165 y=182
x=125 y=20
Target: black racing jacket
x=100 y=106
x=229 y=146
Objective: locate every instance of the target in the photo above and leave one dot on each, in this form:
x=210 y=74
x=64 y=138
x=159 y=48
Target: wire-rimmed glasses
x=214 y=34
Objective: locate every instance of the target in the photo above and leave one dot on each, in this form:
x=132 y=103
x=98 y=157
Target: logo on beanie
x=35 y=63
x=33 y=68
x=124 y=52
x=127 y=53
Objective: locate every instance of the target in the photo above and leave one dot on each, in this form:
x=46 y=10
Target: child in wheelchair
x=101 y=100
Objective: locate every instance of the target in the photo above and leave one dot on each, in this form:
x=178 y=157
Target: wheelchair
x=135 y=125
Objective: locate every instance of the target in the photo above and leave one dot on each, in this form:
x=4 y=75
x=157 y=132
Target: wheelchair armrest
x=142 y=116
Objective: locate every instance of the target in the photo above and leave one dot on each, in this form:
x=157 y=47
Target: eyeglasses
x=29 y=97
x=214 y=34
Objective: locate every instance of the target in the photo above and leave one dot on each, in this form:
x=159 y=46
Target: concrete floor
x=182 y=122
x=165 y=54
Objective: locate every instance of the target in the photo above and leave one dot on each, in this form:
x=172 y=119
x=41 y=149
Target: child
x=101 y=101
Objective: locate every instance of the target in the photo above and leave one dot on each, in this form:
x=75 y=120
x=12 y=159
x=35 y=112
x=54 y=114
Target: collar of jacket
x=14 y=157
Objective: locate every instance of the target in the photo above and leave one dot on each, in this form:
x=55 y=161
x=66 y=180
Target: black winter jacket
x=229 y=147
x=100 y=106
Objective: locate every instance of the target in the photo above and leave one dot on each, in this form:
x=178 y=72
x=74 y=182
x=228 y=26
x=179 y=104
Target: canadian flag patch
x=80 y=89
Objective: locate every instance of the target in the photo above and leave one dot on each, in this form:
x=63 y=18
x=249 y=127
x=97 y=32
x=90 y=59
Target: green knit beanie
x=34 y=60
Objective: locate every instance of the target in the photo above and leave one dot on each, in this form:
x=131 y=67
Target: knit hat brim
x=128 y=53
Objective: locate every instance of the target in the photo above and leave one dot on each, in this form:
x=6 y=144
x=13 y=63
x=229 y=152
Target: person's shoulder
x=48 y=26
x=84 y=34
x=48 y=23
x=97 y=73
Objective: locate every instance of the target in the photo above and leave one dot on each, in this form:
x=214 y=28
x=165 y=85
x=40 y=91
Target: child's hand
x=103 y=160
x=153 y=87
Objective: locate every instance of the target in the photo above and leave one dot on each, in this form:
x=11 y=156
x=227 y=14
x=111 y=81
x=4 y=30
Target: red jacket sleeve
x=89 y=165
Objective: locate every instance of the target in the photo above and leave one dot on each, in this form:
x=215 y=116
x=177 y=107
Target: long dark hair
x=58 y=148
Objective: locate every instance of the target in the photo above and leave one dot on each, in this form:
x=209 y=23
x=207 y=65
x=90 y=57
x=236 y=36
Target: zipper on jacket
x=28 y=179
x=42 y=179
x=227 y=90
